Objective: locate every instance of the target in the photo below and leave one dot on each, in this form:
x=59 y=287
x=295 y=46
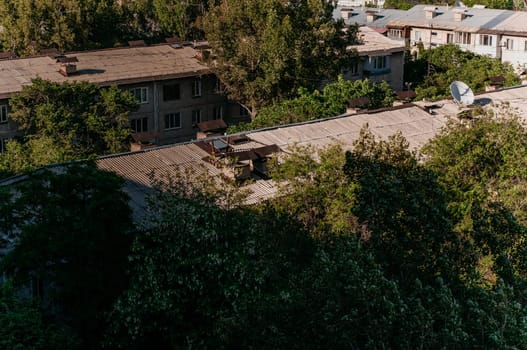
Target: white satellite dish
x=461 y=93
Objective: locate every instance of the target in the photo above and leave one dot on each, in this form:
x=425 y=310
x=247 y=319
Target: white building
x=500 y=34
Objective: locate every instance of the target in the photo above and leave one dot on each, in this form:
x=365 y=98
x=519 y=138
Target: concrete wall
x=157 y=107
x=517 y=55
x=489 y=50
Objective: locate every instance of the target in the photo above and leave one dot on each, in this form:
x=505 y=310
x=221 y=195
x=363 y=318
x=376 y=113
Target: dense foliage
x=331 y=101
x=268 y=49
x=70 y=234
x=370 y=248
x=66 y=121
x=24 y=327
x=483 y=169
x=29 y=26
x=432 y=72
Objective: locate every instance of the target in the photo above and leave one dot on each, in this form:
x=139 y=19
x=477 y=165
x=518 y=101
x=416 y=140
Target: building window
x=196 y=88
x=485 y=40
x=219 y=88
x=140 y=94
x=217 y=112
x=354 y=68
x=171 y=92
x=418 y=36
x=196 y=116
x=378 y=62
x=395 y=33
x=434 y=33
x=450 y=38
x=3 y=114
x=463 y=38
x=139 y=125
x=525 y=46
x=509 y=44
x=173 y=120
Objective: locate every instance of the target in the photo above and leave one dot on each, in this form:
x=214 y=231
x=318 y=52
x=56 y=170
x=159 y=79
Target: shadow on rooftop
x=482 y=101
x=90 y=71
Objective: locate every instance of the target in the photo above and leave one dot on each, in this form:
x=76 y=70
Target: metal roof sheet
x=412 y=121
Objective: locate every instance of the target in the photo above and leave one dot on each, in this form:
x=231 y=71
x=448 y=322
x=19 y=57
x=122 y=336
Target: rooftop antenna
x=462 y=93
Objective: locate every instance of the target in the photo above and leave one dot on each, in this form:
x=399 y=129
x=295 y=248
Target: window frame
x=509 y=44
x=196 y=87
x=139 y=125
x=137 y=92
x=4 y=113
x=463 y=38
x=196 y=117
x=396 y=33
x=218 y=112
x=170 y=120
x=485 y=40
x=379 y=63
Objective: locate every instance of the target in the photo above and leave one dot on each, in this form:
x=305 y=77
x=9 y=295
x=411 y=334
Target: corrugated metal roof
x=412 y=121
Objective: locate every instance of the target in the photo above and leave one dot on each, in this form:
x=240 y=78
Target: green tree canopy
x=31 y=25
x=67 y=121
x=382 y=195
x=331 y=101
x=448 y=63
x=71 y=231
x=481 y=164
x=268 y=49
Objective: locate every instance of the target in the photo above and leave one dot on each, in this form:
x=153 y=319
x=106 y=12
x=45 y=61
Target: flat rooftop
x=376 y=43
x=126 y=65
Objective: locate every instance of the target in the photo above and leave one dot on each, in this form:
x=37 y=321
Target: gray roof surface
x=412 y=121
x=112 y=66
x=514 y=23
x=375 y=42
x=359 y=16
x=476 y=18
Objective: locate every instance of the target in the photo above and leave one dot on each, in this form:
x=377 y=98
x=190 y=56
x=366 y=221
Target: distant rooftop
x=474 y=18
x=375 y=42
x=104 y=67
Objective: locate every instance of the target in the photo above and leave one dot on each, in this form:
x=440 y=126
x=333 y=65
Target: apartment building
x=500 y=34
x=381 y=59
x=174 y=89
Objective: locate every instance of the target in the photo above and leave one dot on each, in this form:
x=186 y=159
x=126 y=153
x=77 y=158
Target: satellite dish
x=461 y=93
